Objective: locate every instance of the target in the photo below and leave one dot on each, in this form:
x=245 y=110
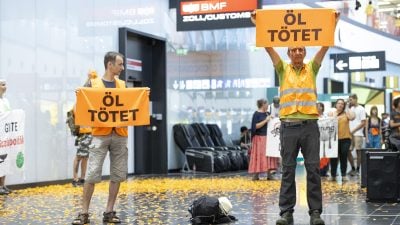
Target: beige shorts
x=117 y=146
x=356 y=142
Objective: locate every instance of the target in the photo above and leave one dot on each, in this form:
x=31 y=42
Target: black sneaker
x=75 y=183
x=81 y=181
x=315 y=218
x=286 y=219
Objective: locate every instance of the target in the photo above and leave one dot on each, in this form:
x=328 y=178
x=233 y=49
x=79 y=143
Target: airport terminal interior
x=205 y=70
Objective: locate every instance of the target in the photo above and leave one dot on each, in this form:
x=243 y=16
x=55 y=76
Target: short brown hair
x=111 y=57
x=261 y=102
x=353 y=95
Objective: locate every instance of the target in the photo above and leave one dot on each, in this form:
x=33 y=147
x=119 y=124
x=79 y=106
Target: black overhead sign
x=214 y=14
x=357 y=62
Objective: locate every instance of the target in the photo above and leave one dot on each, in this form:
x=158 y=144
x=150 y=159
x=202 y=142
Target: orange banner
x=216 y=6
x=395 y=94
x=297 y=27
x=112 y=107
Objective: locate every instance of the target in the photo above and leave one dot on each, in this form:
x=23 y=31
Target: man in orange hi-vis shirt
x=299 y=128
x=106 y=139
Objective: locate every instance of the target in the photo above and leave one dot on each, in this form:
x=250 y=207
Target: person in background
x=394 y=125
x=245 y=138
x=324 y=161
x=321 y=110
x=385 y=129
x=83 y=144
x=299 y=127
x=356 y=129
x=259 y=162
x=273 y=108
x=373 y=129
x=385 y=120
x=344 y=116
x=370 y=13
x=4 y=107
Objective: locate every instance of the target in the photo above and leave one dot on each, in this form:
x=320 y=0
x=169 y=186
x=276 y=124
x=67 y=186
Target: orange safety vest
x=298 y=92
x=103 y=131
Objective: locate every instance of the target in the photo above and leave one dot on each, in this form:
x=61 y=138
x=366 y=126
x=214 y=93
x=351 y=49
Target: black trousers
x=343 y=149
x=293 y=137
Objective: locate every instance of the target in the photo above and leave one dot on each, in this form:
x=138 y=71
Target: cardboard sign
x=12 y=142
x=297 y=27
x=112 y=107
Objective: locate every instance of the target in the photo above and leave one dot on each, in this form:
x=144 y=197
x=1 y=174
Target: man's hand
x=337 y=16
x=92 y=74
x=253 y=17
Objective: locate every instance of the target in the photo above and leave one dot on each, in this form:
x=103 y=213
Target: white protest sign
x=273 y=138
x=328 y=131
x=328 y=138
x=12 y=141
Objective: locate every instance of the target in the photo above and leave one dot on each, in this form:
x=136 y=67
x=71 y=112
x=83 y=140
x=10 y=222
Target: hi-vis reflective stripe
x=298 y=90
x=302 y=103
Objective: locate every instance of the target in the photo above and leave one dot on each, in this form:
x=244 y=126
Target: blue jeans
x=374 y=141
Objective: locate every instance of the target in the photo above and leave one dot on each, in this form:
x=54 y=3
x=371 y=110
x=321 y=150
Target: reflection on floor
x=164 y=200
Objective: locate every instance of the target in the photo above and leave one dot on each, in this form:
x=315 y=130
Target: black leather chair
x=239 y=158
x=198 y=158
x=217 y=136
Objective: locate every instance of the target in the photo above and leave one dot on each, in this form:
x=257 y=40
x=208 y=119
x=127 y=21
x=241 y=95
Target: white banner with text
x=328 y=128
x=12 y=142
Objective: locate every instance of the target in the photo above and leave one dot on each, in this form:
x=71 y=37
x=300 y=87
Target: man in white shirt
x=356 y=129
x=273 y=108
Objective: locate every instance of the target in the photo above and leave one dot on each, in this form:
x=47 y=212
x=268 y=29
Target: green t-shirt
x=281 y=68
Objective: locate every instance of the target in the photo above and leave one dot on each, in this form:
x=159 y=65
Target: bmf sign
x=358 y=62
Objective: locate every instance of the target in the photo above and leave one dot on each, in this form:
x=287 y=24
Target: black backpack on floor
x=205 y=210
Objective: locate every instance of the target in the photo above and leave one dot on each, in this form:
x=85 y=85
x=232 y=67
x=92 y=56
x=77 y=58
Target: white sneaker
x=344 y=179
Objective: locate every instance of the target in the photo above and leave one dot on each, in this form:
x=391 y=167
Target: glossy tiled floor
x=164 y=200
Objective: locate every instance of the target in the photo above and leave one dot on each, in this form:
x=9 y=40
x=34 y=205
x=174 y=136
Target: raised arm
x=275 y=58
x=319 y=56
x=321 y=53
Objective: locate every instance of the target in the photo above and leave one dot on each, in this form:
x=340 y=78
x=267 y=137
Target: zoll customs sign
x=214 y=14
x=299 y=27
x=112 y=107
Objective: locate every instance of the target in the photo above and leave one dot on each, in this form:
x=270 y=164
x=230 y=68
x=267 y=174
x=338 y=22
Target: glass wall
x=46 y=50
x=218 y=87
